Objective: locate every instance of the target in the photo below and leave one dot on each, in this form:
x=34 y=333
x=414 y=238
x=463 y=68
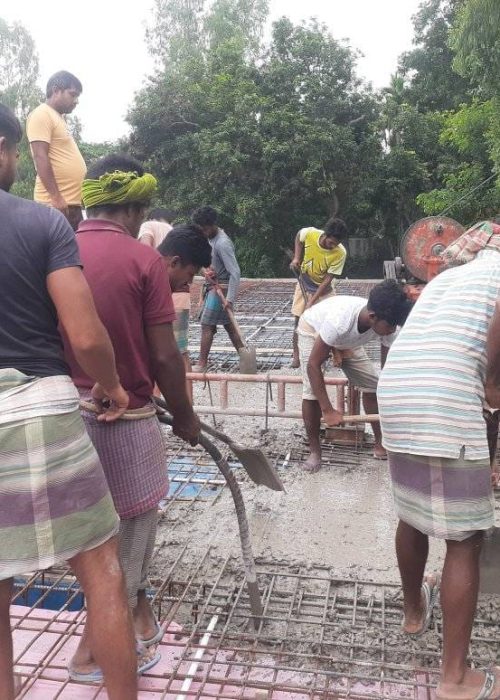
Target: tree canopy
x=280 y=132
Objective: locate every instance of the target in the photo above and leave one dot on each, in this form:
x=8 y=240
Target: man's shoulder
x=126 y=246
x=311 y=231
x=43 y=111
x=222 y=239
x=18 y=206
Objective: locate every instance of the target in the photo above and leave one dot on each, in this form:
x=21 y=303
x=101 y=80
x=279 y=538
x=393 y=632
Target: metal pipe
x=258 y=378
x=272 y=413
x=224 y=398
x=340 y=398
x=281 y=397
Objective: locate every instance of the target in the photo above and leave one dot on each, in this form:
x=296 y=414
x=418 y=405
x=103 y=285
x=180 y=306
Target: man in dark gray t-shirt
x=55 y=504
x=226 y=275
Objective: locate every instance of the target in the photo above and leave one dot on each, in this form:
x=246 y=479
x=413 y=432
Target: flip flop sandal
x=488 y=685
x=158 y=636
x=431 y=594
x=146 y=659
x=487 y=689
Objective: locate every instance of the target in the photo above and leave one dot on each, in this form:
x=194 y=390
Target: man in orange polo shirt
x=59 y=164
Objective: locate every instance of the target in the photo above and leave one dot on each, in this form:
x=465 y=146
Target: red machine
x=421 y=247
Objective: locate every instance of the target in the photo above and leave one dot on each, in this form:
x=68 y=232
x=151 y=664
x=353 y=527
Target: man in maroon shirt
x=133 y=299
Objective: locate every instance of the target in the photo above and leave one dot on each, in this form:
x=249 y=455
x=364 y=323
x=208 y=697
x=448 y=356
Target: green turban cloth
x=118 y=188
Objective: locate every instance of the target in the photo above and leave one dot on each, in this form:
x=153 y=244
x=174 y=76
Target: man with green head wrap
x=134 y=301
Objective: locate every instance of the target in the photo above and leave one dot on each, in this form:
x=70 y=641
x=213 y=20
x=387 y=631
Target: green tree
x=432 y=84
x=475 y=38
x=276 y=139
x=19 y=73
x=19 y=70
x=469 y=191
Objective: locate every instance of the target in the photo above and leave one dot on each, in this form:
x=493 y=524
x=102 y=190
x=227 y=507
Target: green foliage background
x=282 y=133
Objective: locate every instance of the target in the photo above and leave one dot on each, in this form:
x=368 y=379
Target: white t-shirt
x=153 y=232
x=335 y=320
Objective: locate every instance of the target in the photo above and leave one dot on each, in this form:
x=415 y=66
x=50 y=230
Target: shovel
x=254 y=461
x=248 y=356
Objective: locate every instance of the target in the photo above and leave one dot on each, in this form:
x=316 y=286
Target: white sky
x=102 y=42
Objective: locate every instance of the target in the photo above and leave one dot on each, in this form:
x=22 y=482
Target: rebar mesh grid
x=319 y=637
x=263 y=311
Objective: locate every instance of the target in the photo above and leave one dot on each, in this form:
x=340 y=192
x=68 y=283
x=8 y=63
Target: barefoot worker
x=442 y=371
x=319 y=257
x=133 y=299
x=226 y=272
x=345 y=324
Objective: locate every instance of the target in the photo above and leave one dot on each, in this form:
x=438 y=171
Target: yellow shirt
x=46 y=124
x=319 y=261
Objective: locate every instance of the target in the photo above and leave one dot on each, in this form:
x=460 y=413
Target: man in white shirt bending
x=343 y=324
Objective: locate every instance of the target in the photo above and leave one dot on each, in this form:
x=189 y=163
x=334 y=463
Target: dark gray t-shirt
x=34 y=241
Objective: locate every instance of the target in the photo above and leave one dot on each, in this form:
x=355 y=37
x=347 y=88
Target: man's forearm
x=298 y=253
x=327 y=282
x=97 y=359
x=318 y=387
x=493 y=359
x=232 y=288
x=46 y=175
x=170 y=375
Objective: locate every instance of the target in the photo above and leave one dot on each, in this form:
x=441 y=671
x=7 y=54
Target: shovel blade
x=490 y=562
x=257 y=466
x=248 y=360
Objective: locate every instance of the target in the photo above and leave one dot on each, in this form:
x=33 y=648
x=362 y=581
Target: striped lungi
x=54 y=499
x=441 y=497
x=132 y=453
x=213 y=312
x=182 y=306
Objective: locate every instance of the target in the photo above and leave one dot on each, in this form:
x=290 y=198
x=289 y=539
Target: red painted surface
x=424 y=241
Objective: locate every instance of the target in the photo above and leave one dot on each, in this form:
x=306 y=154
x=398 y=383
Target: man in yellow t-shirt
x=318 y=258
x=59 y=164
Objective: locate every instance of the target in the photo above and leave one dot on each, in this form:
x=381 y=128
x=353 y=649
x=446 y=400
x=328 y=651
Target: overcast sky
x=102 y=42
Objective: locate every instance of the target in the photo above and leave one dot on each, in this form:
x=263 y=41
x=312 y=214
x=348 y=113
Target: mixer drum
x=427 y=238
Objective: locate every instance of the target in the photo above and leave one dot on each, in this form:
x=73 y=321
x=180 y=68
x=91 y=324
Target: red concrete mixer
x=421 y=247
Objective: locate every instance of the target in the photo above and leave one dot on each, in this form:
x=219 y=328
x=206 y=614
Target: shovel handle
x=204 y=427
x=298 y=277
x=230 y=314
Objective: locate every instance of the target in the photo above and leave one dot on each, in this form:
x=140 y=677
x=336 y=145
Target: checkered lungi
x=132 y=453
x=213 y=312
x=446 y=498
x=54 y=499
x=136 y=545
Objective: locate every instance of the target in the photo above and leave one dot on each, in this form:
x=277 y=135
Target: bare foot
x=379 y=452
x=312 y=463
x=295 y=362
x=472 y=685
x=414 y=620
